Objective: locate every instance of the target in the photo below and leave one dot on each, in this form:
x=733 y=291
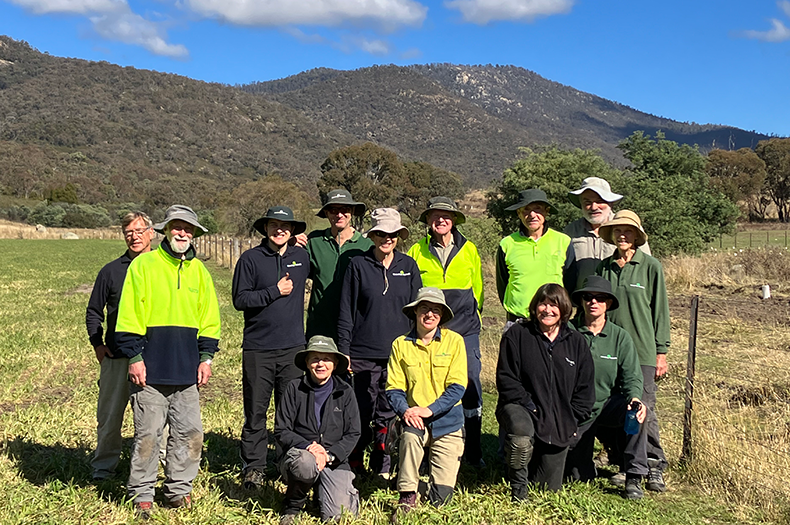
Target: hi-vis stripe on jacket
x=168 y=315
x=461 y=280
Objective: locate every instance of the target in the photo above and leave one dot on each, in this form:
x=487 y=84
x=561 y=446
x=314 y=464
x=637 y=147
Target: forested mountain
x=473 y=119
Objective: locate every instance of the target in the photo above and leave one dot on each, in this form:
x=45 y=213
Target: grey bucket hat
x=445 y=204
x=527 y=197
x=429 y=294
x=387 y=220
x=325 y=345
x=599 y=186
x=341 y=198
x=281 y=213
x=183 y=213
x=596 y=284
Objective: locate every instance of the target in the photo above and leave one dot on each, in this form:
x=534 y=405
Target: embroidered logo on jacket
x=608 y=356
x=401 y=274
x=570 y=363
x=637 y=285
x=293 y=265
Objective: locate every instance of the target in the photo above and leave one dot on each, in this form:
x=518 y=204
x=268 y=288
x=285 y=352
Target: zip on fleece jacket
x=370 y=316
x=272 y=321
x=168 y=315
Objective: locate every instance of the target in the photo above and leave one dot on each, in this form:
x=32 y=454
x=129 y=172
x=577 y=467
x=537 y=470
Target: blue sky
x=721 y=62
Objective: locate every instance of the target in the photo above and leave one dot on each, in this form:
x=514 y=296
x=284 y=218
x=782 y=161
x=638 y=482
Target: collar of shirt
x=413 y=337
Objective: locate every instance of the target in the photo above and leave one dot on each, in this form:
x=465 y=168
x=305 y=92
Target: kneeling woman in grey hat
x=426 y=379
x=317 y=425
x=618 y=388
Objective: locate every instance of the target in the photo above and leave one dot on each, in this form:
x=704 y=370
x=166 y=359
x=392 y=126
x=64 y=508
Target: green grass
x=749 y=239
x=47 y=424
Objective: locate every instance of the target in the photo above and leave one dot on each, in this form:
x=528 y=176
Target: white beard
x=179 y=245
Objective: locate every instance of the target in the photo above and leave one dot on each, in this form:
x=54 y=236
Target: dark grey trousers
x=655 y=453
x=335 y=487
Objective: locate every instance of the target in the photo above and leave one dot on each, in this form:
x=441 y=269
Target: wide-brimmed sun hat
x=325 y=345
x=599 y=186
x=444 y=204
x=183 y=213
x=387 y=220
x=281 y=213
x=596 y=284
x=429 y=294
x=623 y=218
x=341 y=198
x=527 y=197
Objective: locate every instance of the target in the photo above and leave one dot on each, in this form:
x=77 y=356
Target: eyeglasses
x=338 y=210
x=135 y=233
x=386 y=235
x=598 y=297
x=424 y=309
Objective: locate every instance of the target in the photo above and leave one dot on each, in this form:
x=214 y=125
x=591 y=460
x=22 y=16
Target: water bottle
x=631 y=423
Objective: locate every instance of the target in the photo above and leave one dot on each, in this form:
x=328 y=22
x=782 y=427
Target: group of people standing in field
x=389 y=362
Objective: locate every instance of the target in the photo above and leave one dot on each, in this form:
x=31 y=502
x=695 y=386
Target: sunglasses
x=598 y=297
x=386 y=235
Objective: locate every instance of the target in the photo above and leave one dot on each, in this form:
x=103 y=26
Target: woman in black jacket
x=545 y=380
x=317 y=425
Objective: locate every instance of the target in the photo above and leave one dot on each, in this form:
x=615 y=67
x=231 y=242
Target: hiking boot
x=253 y=479
x=618 y=480
x=287 y=519
x=180 y=502
x=655 y=480
x=143 y=509
x=518 y=493
x=633 y=487
x=406 y=503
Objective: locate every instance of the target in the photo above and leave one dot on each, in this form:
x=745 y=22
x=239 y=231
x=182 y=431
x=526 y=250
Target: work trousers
x=335 y=487
x=655 y=453
x=547 y=464
x=472 y=401
x=263 y=372
x=113 y=398
x=444 y=457
x=370 y=382
x=610 y=422
x=153 y=407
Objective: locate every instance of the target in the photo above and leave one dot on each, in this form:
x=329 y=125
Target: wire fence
x=223 y=250
x=754 y=239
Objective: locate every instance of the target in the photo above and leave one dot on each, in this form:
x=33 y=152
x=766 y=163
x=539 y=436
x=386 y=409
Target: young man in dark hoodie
x=268 y=286
x=377 y=285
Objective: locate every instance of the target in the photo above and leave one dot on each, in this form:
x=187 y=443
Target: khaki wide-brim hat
x=183 y=213
x=623 y=218
x=444 y=204
x=324 y=345
x=429 y=294
x=387 y=220
x=281 y=213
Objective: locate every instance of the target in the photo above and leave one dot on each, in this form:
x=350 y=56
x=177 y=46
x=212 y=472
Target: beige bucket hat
x=624 y=218
x=429 y=294
x=387 y=220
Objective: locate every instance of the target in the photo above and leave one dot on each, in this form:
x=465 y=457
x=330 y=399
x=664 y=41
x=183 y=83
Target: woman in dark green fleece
x=638 y=283
x=618 y=387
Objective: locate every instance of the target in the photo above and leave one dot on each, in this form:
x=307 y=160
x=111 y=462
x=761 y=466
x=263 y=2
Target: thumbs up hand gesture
x=285 y=285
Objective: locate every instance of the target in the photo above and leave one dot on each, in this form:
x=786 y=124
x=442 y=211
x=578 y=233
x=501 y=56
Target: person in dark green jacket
x=448 y=261
x=638 y=283
x=330 y=250
x=618 y=388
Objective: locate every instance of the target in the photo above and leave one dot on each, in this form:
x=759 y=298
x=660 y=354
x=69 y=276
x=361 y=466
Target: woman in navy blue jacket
x=377 y=285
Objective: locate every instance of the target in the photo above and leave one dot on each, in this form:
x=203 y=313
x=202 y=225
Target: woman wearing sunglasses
x=618 y=389
x=376 y=286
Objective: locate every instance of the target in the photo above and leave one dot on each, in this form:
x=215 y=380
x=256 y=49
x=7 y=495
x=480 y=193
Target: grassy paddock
x=47 y=422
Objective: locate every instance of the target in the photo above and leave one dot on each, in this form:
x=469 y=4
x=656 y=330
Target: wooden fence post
x=686 y=452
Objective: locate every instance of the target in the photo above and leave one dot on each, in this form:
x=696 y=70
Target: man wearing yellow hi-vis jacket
x=448 y=261
x=168 y=326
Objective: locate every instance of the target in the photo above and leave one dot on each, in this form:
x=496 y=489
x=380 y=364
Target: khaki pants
x=445 y=458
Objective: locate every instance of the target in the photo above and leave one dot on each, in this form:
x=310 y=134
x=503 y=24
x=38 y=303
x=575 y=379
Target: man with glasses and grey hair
x=113 y=381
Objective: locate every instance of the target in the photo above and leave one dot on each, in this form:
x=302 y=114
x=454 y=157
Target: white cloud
x=779 y=32
x=131 y=28
x=113 y=20
x=374 y=47
x=72 y=6
x=386 y=13
x=484 y=11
